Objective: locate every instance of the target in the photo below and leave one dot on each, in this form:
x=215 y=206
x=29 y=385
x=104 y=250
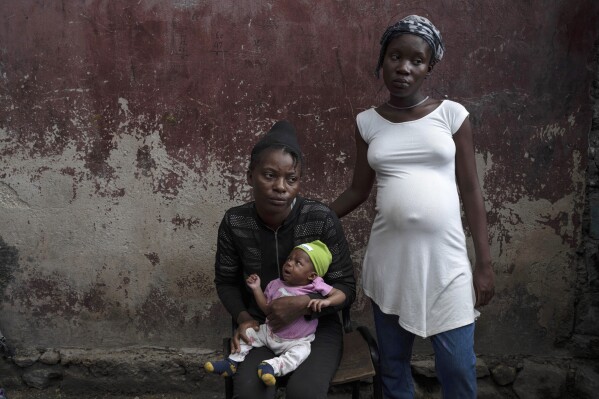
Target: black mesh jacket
x=246 y=246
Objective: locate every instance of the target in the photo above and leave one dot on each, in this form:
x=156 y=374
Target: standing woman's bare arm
x=474 y=208
x=361 y=184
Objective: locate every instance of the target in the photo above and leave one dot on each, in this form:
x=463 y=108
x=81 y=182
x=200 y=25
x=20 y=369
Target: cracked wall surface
x=125 y=129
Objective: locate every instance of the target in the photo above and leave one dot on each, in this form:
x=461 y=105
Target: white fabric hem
x=429 y=333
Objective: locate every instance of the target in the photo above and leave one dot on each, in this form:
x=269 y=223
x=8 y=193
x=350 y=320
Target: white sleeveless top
x=416 y=265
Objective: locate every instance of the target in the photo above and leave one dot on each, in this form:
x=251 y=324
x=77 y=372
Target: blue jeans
x=455 y=361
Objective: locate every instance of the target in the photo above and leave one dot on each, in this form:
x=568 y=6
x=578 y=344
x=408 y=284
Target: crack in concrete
x=9 y=198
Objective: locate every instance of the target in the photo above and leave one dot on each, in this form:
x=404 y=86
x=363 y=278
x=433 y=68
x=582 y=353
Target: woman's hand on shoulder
x=362 y=181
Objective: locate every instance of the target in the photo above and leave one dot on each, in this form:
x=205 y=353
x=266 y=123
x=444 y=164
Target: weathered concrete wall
x=125 y=128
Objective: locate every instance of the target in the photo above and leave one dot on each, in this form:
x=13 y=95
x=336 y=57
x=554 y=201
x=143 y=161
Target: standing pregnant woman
x=416 y=269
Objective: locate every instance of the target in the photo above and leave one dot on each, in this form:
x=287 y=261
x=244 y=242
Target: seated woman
x=256 y=238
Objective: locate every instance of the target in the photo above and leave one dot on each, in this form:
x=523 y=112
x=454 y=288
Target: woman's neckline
x=410 y=121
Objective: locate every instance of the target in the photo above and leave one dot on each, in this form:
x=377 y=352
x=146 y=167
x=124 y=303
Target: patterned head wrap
x=415 y=25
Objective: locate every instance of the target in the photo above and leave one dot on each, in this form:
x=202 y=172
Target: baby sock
x=266 y=374
x=226 y=367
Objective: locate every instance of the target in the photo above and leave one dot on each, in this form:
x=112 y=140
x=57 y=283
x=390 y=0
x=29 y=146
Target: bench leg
x=355 y=392
x=229 y=387
x=377 y=386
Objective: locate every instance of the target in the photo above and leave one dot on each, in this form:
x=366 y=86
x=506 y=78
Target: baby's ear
x=312 y=276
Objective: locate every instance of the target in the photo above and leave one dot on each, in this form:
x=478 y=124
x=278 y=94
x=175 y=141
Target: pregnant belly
x=426 y=206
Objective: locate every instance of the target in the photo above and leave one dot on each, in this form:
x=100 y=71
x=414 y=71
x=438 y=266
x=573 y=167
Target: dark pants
x=312 y=377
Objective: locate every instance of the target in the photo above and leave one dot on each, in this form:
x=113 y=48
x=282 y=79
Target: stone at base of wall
x=151 y=370
x=122 y=370
x=584 y=346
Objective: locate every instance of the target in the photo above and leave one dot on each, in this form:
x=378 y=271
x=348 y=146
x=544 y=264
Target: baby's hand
x=253 y=281
x=317 y=304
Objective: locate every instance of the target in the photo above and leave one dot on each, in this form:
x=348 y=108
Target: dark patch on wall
x=183 y=222
x=528 y=159
x=168 y=184
x=524 y=314
x=110 y=192
x=503 y=225
x=77 y=178
x=49 y=296
x=153 y=258
x=9 y=264
x=145 y=162
x=93 y=300
x=219 y=320
x=46 y=297
x=197 y=284
x=560 y=224
x=160 y=312
x=586 y=328
x=98 y=151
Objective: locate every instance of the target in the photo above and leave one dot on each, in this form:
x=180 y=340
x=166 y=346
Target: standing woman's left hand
x=484 y=283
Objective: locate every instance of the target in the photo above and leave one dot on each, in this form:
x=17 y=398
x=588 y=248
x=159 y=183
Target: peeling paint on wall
x=125 y=130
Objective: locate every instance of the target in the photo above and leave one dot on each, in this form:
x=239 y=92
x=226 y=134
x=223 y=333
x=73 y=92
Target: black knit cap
x=281 y=134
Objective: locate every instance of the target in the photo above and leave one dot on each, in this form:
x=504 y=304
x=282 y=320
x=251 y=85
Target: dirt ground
x=57 y=394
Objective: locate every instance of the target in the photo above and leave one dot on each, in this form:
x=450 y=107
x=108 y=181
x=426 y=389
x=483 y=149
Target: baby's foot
x=226 y=367
x=266 y=374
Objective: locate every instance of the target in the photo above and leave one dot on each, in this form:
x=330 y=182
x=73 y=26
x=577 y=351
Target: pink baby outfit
x=292 y=343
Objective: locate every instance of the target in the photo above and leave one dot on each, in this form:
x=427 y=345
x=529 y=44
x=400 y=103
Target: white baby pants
x=290 y=352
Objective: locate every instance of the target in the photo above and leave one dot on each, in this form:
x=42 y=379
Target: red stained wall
x=125 y=128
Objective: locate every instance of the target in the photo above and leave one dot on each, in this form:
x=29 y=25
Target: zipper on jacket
x=277 y=240
x=277 y=251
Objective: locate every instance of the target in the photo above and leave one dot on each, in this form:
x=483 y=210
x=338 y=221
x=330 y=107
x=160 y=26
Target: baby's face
x=298 y=268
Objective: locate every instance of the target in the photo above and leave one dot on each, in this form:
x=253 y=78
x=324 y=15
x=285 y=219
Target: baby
x=302 y=275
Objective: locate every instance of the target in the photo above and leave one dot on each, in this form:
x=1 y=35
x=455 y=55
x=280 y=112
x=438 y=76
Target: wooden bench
x=359 y=362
